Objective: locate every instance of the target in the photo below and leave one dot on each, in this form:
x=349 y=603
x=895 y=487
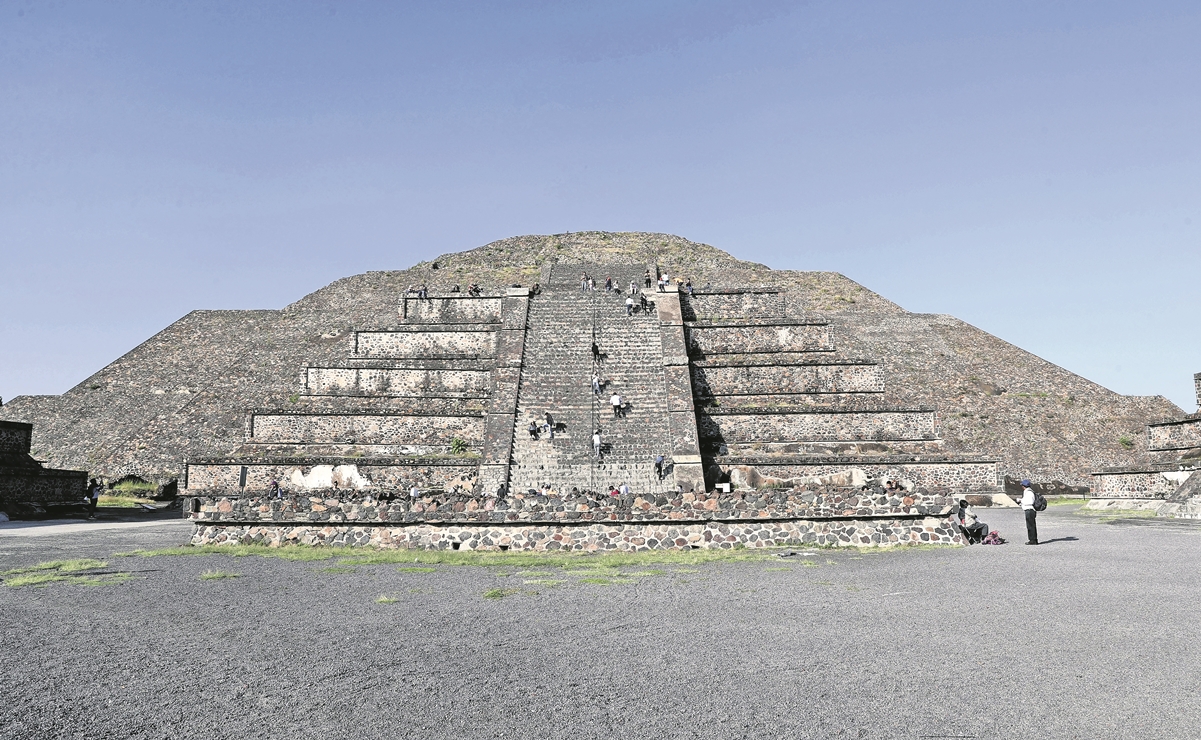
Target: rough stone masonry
x=788 y=379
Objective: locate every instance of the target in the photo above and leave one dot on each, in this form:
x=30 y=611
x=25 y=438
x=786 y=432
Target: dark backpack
x=1040 y=502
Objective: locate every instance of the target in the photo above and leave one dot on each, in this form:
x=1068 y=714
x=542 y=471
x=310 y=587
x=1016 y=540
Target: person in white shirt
x=615 y=402
x=596 y=443
x=629 y=305
x=973 y=529
x=1031 y=514
x=624 y=489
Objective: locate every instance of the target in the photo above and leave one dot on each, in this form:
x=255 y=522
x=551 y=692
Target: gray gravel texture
x=1091 y=635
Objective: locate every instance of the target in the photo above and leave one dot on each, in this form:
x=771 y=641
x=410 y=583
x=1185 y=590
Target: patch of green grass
x=61 y=566
x=543 y=581
x=63 y=571
x=134 y=486
x=597 y=581
x=777 y=569
x=45 y=578
x=810 y=564
x=122 y=502
x=218 y=575
x=525 y=560
x=416 y=569
x=1126 y=441
x=385 y=599
x=500 y=593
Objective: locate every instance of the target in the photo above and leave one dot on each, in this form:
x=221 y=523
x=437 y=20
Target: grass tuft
x=500 y=593
x=218 y=575
x=416 y=569
x=61 y=566
x=358 y=556
x=385 y=599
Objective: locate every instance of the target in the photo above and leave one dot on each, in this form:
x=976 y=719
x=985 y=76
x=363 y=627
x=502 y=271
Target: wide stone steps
x=556 y=376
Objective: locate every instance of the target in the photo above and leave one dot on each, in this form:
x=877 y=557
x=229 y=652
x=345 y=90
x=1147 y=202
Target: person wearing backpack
x=1032 y=503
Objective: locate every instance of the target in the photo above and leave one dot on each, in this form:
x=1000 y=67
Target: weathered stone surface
x=186 y=393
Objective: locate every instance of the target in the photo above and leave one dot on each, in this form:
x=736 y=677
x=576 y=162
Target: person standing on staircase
x=659 y=467
x=629 y=305
x=615 y=401
x=596 y=443
x=646 y=279
x=633 y=288
x=595 y=351
x=533 y=429
x=550 y=425
x=596 y=384
x=583 y=282
x=608 y=283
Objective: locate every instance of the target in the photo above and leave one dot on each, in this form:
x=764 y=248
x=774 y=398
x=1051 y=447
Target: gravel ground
x=1092 y=635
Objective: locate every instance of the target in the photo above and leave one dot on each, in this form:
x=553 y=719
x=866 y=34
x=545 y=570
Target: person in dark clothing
x=659 y=467
x=550 y=425
x=646 y=278
x=973 y=529
x=1031 y=514
x=642 y=298
x=595 y=352
x=608 y=283
x=94 y=490
x=533 y=430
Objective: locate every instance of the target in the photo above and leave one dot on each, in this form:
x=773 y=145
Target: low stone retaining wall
x=824 y=516
x=595 y=537
x=343 y=507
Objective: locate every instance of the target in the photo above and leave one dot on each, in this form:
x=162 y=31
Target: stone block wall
x=734 y=304
x=344 y=506
x=42 y=486
x=635 y=537
x=958 y=475
x=715 y=379
x=367 y=429
x=356 y=381
x=1138 y=484
x=1174 y=435
x=15 y=437
x=823 y=516
x=300 y=478
x=757 y=339
x=425 y=344
x=451 y=310
x=718 y=427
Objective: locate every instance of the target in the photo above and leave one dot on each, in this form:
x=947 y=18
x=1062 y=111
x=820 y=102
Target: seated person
x=973 y=529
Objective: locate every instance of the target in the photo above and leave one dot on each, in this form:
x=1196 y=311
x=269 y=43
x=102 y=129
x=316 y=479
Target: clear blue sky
x=1030 y=167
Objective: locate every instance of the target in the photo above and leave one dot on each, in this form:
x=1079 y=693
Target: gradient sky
x=1030 y=167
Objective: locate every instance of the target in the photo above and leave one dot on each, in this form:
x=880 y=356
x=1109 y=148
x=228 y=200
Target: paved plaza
x=1091 y=635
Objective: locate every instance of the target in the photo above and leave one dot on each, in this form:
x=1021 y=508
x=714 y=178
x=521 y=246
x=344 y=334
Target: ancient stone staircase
x=556 y=376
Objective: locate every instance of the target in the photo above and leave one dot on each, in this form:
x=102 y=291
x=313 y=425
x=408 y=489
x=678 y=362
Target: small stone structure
x=1174 y=453
x=25 y=484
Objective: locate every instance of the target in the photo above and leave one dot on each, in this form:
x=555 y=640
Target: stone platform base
x=1103 y=504
x=639 y=536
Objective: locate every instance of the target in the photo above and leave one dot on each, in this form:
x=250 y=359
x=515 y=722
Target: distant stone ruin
x=27 y=486
x=1173 y=455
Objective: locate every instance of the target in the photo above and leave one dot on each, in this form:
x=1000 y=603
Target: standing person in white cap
x=1030 y=512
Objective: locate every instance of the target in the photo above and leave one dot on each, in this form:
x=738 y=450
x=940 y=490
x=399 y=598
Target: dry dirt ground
x=1091 y=635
